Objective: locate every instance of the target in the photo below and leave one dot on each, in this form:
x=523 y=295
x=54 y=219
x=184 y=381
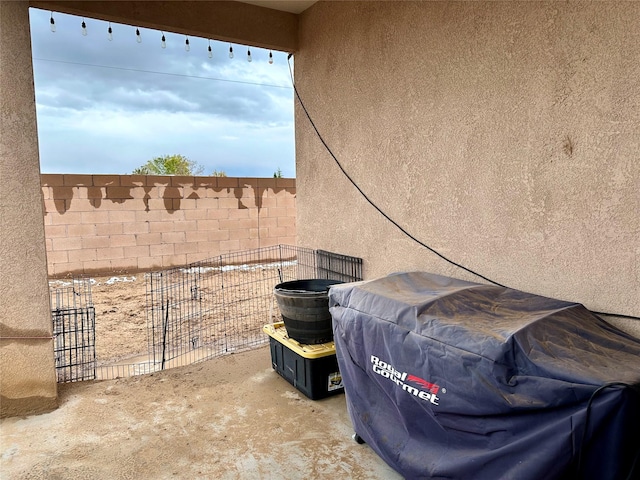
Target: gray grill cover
x=451 y=379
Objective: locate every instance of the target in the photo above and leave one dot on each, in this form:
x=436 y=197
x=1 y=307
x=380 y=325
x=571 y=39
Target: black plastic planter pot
x=304 y=305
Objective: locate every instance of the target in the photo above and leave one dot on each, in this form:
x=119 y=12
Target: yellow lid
x=278 y=332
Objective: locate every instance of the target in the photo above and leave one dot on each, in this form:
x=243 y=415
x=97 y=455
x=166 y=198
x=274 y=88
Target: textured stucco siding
x=505 y=135
x=27 y=375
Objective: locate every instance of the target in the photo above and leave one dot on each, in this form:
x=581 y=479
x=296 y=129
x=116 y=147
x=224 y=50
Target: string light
x=163 y=43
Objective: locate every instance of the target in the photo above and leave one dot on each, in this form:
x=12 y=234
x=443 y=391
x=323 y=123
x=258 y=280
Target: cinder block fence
x=129 y=223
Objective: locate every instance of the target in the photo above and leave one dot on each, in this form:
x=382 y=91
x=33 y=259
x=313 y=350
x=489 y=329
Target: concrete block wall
x=128 y=223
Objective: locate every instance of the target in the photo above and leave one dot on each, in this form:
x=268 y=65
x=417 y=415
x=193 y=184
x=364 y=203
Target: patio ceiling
x=291 y=6
x=265 y=24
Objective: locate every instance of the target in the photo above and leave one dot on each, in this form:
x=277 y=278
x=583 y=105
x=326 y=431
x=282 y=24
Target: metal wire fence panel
x=333 y=266
x=183 y=308
x=74 y=323
x=199 y=311
x=220 y=305
x=303 y=261
x=75 y=293
x=109 y=372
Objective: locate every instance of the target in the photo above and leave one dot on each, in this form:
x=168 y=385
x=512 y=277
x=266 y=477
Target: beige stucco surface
x=505 y=135
x=27 y=378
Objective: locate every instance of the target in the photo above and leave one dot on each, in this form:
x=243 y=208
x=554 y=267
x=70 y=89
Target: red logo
x=432 y=387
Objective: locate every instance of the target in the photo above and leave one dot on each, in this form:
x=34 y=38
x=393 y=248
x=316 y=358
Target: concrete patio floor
x=229 y=418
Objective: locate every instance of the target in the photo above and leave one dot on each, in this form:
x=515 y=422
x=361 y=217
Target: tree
x=277 y=173
x=170 y=165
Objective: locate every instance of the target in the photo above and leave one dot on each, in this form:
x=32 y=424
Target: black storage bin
x=312 y=369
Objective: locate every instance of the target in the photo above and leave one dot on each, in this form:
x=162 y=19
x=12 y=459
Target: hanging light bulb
x=248 y=55
x=163 y=43
x=186 y=45
x=138 y=36
x=52 y=23
x=230 y=51
x=210 y=54
x=270 y=57
x=110 y=32
x=84 y=28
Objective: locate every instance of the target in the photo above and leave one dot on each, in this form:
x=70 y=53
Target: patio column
x=27 y=370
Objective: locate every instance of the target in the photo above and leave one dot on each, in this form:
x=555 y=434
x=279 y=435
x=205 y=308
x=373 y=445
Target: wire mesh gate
x=196 y=312
x=74 y=332
x=219 y=305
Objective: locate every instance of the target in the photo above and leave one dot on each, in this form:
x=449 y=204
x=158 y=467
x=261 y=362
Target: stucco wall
x=110 y=223
x=506 y=135
x=27 y=375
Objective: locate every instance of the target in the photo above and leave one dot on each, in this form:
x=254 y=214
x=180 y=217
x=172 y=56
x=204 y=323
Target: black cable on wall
x=392 y=221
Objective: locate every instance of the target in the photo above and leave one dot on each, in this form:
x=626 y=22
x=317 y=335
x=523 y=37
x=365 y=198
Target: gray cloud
x=74 y=88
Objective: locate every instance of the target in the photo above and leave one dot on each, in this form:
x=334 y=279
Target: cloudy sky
x=109 y=106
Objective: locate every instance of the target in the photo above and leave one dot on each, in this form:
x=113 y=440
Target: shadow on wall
x=172 y=195
x=105 y=223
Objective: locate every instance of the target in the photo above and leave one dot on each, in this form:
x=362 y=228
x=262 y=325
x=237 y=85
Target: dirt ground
x=121 y=320
x=231 y=417
x=120 y=302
